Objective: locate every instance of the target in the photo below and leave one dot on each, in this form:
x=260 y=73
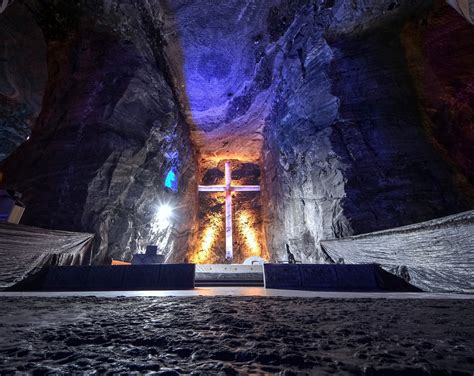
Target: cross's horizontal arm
x=211 y=188
x=246 y=188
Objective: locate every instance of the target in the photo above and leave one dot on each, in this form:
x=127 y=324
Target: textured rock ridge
x=344 y=150
x=440 y=52
x=108 y=134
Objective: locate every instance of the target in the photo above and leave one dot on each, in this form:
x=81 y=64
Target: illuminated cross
x=228 y=188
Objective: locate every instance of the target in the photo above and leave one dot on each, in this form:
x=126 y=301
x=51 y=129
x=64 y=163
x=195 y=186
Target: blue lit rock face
x=222 y=72
x=344 y=150
x=213 y=48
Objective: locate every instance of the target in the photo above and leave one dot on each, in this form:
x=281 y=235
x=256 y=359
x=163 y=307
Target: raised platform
x=332 y=277
x=110 y=278
x=228 y=275
x=311 y=277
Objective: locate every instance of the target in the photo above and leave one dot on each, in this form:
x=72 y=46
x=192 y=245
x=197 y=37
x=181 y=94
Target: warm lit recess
x=246 y=228
x=209 y=235
x=247 y=237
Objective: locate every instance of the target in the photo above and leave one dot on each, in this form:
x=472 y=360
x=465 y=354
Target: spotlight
x=164 y=212
x=163 y=216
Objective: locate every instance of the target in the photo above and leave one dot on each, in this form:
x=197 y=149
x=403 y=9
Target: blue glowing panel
x=171 y=181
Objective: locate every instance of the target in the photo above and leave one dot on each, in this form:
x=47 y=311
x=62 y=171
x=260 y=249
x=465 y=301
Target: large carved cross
x=228 y=188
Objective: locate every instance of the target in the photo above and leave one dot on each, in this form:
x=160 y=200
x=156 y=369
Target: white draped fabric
x=438 y=255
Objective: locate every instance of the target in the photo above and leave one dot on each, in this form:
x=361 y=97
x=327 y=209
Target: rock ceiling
x=218 y=59
x=226 y=58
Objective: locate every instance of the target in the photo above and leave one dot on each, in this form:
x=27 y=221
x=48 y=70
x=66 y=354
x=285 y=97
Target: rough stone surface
x=440 y=52
x=23 y=75
x=237 y=336
x=344 y=151
x=222 y=71
x=318 y=94
x=108 y=133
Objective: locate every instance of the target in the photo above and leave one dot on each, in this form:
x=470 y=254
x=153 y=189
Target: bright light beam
x=163 y=216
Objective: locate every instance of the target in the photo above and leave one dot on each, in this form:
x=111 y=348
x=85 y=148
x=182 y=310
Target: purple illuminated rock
x=109 y=131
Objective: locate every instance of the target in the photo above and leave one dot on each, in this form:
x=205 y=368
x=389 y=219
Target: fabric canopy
x=24 y=250
x=438 y=255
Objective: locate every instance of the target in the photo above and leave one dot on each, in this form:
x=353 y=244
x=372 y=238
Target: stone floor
x=228 y=335
x=245 y=291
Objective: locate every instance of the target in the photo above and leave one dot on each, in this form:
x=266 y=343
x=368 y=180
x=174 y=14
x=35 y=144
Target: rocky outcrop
x=344 y=151
x=23 y=75
x=222 y=70
x=440 y=53
x=108 y=134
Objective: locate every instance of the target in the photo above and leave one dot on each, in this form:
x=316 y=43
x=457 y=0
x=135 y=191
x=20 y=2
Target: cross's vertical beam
x=228 y=213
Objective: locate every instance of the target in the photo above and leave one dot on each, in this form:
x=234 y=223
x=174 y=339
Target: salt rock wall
x=345 y=152
x=23 y=75
x=222 y=73
x=440 y=53
x=108 y=133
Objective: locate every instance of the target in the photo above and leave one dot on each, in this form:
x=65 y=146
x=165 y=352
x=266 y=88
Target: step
x=228 y=275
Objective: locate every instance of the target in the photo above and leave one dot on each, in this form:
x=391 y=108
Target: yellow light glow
x=247 y=229
x=216 y=158
x=209 y=236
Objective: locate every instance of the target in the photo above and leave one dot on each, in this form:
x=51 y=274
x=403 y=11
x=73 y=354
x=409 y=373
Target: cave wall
x=323 y=96
x=109 y=131
x=440 y=53
x=345 y=151
x=23 y=75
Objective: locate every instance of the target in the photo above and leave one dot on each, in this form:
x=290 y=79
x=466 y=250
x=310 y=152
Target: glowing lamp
x=164 y=212
x=163 y=217
x=171 y=181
